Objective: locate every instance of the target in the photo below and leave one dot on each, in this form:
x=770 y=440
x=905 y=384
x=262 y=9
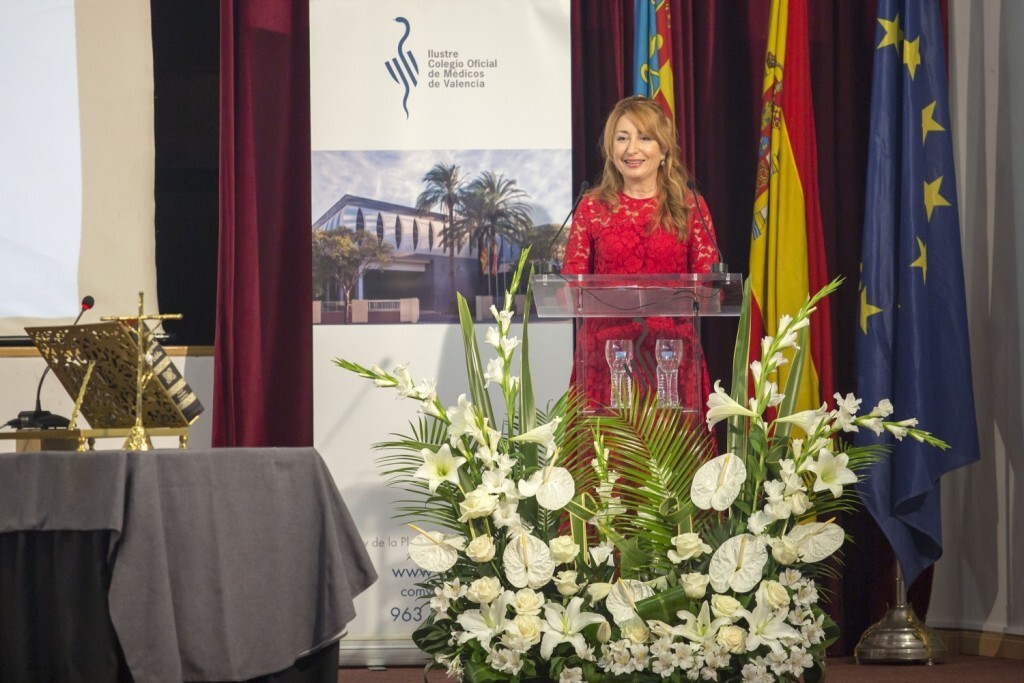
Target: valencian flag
x=912 y=346
x=653 y=53
x=787 y=255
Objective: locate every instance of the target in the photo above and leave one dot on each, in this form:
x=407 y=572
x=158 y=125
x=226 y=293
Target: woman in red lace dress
x=643 y=217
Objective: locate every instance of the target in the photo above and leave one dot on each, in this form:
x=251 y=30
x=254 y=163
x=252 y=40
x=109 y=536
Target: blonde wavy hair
x=672 y=211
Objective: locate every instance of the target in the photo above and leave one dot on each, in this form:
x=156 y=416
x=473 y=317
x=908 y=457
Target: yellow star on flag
x=912 y=55
x=866 y=310
x=932 y=198
x=893 y=33
x=928 y=122
x=922 y=260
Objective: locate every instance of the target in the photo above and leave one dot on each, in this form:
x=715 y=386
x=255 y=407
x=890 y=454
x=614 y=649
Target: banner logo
x=403 y=68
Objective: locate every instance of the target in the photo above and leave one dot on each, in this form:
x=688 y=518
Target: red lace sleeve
x=579 y=248
x=702 y=253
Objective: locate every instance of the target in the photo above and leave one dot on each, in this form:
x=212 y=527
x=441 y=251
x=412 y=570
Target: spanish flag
x=653 y=54
x=787 y=256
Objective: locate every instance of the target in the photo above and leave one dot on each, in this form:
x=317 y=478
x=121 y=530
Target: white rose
x=725 y=606
x=732 y=638
x=774 y=593
x=799 y=502
x=478 y=503
x=563 y=549
x=695 y=584
x=565 y=582
x=528 y=601
x=635 y=630
x=687 y=547
x=784 y=551
x=484 y=589
x=526 y=626
x=480 y=549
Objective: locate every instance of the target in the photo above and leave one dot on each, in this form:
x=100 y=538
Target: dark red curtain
x=264 y=332
x=263 y=365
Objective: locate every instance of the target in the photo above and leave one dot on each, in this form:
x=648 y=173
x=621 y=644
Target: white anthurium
x=528 y=562
x=543 y=435
x=486 y=623
x=699 y=628
x=832 y=472
x=622 y=599
x=717 y=483
x=721 y=406
x=564 y=624
x=816 y=540
x=439 y=467
x=554 y=487
x=435 y=551
x=738 y=564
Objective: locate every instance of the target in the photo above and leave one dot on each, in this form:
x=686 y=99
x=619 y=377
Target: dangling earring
x=662 y=162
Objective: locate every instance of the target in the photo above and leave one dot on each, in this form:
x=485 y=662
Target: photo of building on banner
x=430 y=181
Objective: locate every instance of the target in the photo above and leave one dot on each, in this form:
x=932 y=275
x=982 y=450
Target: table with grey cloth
x=225 y=564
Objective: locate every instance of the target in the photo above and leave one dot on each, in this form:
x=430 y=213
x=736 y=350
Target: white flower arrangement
x=578 y=549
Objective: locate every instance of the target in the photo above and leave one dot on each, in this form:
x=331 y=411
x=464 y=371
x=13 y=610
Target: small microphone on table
x=44 y=419
x=721 y=266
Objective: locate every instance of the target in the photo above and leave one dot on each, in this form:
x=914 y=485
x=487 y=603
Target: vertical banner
x=441 y=147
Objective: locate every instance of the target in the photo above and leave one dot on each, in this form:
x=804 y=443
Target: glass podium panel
x=638 y=333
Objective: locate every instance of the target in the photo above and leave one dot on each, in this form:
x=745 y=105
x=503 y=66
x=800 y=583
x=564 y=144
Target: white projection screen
x=77 y=170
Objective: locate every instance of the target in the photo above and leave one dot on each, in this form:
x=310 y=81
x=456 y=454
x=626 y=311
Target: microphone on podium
x=584 y=186
x=44 y=419
x=721 y=266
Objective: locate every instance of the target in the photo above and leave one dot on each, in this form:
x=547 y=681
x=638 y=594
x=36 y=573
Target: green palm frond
x=656 y=452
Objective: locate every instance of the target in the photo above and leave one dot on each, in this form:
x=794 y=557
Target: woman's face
x=637 y=157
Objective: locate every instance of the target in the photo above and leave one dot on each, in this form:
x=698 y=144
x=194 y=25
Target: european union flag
x=913 y=345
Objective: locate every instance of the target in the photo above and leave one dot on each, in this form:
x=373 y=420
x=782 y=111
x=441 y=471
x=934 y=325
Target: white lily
x=564 y=625
x=699 y=628
x=439 y=467
x=831 y=471
x=767 y=627
x=487 y=622
x=807 y=420
x=721 y=406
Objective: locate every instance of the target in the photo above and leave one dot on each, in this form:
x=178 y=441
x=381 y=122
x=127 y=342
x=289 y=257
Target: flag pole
x=900 y=636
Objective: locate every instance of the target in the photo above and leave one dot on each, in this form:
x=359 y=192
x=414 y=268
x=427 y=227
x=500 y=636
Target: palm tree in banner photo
x=492 y=206
x=443 y=185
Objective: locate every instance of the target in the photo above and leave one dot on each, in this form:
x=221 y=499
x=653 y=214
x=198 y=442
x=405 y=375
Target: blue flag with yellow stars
x=912 y=344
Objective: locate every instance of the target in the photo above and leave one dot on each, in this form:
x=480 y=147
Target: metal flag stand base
x=899 y=637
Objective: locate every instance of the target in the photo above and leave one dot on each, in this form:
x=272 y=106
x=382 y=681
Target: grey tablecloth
x=227 y=564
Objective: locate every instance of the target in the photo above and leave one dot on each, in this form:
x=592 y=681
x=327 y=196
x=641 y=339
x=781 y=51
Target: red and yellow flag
x=787 y=255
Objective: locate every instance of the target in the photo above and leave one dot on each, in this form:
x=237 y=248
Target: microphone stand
x=44 y=419
x=548 y=266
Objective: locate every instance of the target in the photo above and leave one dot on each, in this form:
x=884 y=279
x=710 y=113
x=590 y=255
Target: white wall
x=978 y=582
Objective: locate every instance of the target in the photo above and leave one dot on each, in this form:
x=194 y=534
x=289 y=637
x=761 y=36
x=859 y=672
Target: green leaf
x=527 y=406
x=432 y=638
x=474 y=369
x=664 y=605
x=736 y=437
